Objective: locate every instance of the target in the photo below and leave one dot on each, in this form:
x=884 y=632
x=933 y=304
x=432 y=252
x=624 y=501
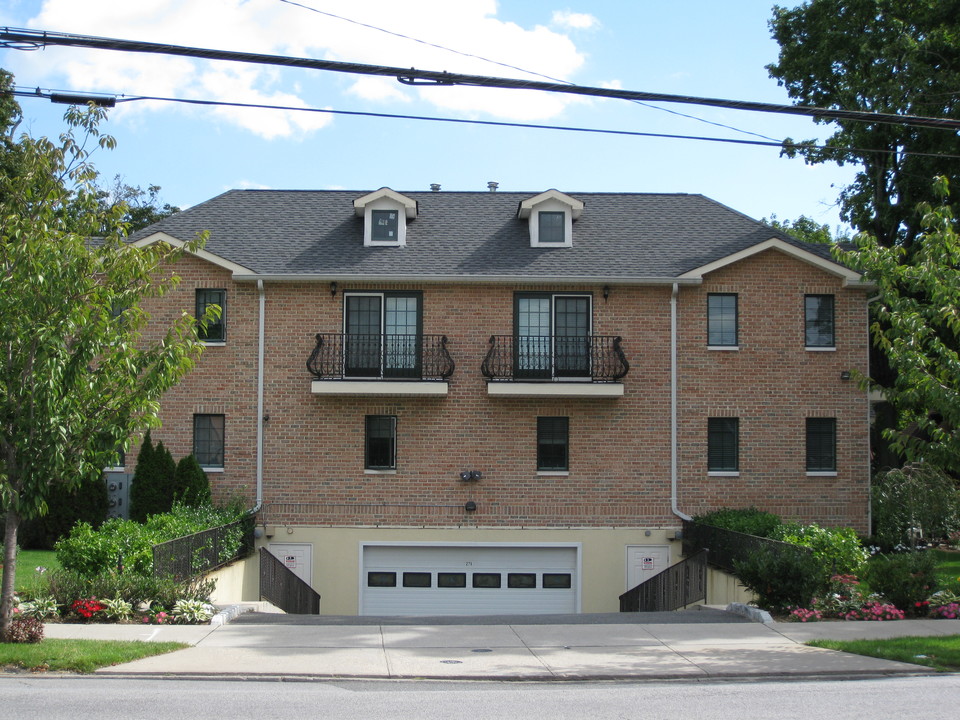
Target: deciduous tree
x=80 y=370
x=888 y=56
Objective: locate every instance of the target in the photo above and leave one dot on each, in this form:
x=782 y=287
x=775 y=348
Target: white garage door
x=468 y=580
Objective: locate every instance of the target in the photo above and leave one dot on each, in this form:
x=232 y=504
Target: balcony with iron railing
x=548 y=365
x=353 y=364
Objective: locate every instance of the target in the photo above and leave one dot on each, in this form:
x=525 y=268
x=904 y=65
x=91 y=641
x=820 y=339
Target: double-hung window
x=380 y=451
x=819 y=321
x=553 y=444
x=214 y=331
x=821 y=445
x=722 y=330
x=551 y=336
x=383 y=335
x=208 y=441
x=551 y=227
x=723 y=444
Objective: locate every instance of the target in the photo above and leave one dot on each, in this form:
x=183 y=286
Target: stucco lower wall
x=337 y=555
x=237 y=582
x=723 y=589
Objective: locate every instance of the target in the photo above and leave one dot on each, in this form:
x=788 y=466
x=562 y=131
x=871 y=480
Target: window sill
x=723 y=473
x=211 y=469
x=368 y=471
x=213 y=343
x=553 y=473
x=821 y=349
x=726 y=348
x=821 y=473
x=114 y=469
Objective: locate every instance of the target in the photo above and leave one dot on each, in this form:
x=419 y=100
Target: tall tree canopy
x=917 y=325
x=80 y=371
x=890 y=56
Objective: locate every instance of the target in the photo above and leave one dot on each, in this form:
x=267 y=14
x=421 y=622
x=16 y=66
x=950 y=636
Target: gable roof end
x=526 y=206
x=409 y=205
x=850 y=277
x=202 y=254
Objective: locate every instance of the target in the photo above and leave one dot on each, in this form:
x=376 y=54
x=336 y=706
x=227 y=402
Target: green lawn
x=80 y=656
x=27 y=563
x=939 y=653
x=948 y=565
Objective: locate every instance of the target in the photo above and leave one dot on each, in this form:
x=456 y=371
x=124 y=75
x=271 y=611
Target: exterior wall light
x=333 y=289
x=471 y=506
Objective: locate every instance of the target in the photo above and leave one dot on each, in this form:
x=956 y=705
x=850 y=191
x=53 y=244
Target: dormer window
x=385 y=214
x=385 y=226
x=550 y=216
x=552 y=226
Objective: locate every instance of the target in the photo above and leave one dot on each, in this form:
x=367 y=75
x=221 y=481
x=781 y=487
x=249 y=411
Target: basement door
x=298 y=557
x=645 y=561
x=469 y=580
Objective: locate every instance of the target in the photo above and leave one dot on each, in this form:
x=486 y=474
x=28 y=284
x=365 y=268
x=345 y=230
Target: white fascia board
x=392 y=388
x=409 y=205
x=554 y=389
x=526 y=206
x=850 y=277
x=472 y=279
x=202 y=254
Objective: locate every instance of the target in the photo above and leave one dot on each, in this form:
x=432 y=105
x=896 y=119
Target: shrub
x=25 y=630
x=137 y=590
x=151 y=489
x=745 y=520
x=86 y=503
x=916 y=497
x=191 y=485
x=838 y=551
x=781 y=578
x=904 y=580
x=129 y=545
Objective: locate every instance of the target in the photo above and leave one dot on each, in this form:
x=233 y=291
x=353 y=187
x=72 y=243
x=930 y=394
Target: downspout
x=673 y=405
x=260 y=417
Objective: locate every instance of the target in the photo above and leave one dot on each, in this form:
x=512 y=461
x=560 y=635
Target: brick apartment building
x=460 y=402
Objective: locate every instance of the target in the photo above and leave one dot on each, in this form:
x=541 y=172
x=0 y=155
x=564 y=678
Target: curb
x=229 y=613
x=751 y=613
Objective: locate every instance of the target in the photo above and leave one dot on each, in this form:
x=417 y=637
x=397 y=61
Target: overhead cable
x=34 y=39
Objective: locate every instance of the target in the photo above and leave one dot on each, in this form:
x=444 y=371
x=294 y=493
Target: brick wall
x=619 y=448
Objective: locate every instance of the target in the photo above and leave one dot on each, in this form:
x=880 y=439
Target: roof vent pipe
x=434 y=187
x=492 y=186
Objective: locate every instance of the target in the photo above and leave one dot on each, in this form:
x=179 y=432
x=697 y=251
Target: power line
x=111 y=100
x=34 y=39
x=507 y=65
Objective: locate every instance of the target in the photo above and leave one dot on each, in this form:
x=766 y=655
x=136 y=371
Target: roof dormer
x=551 y=215
x=385 y=214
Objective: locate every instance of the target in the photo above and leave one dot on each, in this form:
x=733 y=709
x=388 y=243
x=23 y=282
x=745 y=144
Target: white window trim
x=724 y=348
x=817 y=348
x=550 y=201
x=821 y=473
x=553 y=473
x=368 y=471
x=723 y=473
x=212 y=469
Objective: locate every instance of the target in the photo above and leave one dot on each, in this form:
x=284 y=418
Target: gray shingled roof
x=471 y=234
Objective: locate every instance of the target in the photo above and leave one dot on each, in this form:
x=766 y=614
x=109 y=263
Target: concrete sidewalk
x=514 y=651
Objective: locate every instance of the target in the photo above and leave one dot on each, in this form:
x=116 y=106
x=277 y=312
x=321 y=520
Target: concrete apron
x=515 y=651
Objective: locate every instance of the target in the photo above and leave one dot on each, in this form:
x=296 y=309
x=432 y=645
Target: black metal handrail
x=679 y=585
x=727 y=547
x=338 y=356
x=204 y=551
x=598 y=358
x=281 y=586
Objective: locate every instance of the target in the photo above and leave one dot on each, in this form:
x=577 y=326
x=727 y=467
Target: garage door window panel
x=487 y=580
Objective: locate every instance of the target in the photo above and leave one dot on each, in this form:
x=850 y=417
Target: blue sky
x=699 y=47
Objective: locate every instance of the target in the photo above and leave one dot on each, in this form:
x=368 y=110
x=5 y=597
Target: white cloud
x=247 y=185
x=269 y=27
x=575 y=21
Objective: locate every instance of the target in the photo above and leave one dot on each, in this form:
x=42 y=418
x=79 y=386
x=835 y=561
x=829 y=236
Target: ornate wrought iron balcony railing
x=339 y=356
x=598 y=358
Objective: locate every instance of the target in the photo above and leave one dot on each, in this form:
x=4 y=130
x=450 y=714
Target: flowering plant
x=805 y=615
x=160 y=617
x=87 y=607
x=950 y=611
x=875 y=611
